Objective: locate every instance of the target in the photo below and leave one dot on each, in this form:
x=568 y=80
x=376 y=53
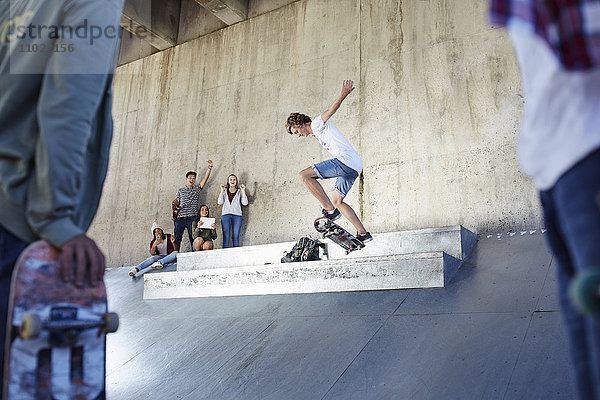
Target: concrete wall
x=434 y=116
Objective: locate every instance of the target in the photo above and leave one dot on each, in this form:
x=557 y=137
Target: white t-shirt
x=561 y=116
x=336 y=144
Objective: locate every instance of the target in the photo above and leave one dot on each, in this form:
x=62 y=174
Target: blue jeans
x=572 y=216
x=164 y=260
x=182 y=223
x=10 y=249
x=229 y=221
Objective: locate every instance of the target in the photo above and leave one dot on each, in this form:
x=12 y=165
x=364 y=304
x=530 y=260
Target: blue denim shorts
x=334 y=168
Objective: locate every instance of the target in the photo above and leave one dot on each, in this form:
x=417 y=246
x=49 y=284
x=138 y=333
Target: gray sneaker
x=365 y=238
x=332 y=216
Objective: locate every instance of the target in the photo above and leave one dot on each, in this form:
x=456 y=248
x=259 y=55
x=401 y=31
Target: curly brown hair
x=297 y=120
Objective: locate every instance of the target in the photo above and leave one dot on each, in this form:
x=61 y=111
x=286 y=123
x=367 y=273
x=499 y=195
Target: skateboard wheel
x=585 y=292
x=31 y=326
x=111 y=322
x=320 y=225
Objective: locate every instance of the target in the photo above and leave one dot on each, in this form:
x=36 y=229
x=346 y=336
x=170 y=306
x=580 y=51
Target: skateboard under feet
x=338 y=235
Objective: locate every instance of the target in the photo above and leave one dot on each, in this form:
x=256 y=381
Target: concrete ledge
x=370 y=273
x=455 y=241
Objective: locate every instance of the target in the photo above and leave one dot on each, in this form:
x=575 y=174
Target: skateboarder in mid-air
x=345 y=166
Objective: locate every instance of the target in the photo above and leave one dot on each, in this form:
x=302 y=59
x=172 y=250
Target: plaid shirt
x=570 y=27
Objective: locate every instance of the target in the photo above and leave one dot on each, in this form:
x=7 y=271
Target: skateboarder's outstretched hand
x=347 y=87
x=82 y=253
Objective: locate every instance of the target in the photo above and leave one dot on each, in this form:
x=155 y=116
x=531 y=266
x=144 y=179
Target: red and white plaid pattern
x=570 y=27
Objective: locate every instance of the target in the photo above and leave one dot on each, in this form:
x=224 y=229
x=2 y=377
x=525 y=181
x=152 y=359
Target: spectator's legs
x=572 y=217
x=10 y=249
x=198 y=243
x=237 y=227
x=226 y=221
x=208 y=245
x=188 y=225
x=172 y=257
x=179 y=227
x=147 y=262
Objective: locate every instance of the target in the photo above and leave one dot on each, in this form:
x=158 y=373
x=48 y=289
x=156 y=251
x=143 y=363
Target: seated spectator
x=163 y=251
x=203 y=237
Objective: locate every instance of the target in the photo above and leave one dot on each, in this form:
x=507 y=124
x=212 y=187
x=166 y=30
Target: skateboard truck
x=64 y=327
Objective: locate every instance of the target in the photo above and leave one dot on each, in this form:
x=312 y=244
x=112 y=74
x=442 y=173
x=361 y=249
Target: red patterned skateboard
x=56 y=348
x=338 y=235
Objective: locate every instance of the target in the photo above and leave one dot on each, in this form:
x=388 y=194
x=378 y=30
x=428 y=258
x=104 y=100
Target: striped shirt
x=189 y=201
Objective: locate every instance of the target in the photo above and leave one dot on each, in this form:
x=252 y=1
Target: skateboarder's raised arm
x=347 y=88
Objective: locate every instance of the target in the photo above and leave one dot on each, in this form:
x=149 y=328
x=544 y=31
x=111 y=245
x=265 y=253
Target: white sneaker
x=133 y=271
x=157 y=265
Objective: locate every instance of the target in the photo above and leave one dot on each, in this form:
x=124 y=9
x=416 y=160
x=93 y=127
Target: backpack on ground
x=305 y=249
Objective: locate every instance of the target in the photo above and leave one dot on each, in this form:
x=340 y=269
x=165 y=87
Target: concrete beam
x=453 y=240
x=229 y=11
x=152 y=21
x=410 y=271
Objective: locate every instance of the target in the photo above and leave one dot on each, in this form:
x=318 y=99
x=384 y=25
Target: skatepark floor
x=493 y=333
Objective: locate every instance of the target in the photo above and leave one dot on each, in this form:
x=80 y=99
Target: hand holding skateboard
x=57 y=329
x=88 y=258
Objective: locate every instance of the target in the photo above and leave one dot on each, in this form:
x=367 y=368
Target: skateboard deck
x=585 y=292
x=56 y=346
x=338 y=235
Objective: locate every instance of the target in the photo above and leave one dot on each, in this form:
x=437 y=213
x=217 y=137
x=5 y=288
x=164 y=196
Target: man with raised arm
x=188 y=197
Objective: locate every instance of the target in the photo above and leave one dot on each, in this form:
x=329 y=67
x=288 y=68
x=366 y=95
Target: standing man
x=55 y=132
x=345 y=166
x=189 y=203
x=557 y=44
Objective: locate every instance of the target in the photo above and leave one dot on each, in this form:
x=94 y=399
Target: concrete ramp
x=396 y=260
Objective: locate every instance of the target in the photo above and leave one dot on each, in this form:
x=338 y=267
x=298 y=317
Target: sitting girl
x=162 y=251
x=203 y=237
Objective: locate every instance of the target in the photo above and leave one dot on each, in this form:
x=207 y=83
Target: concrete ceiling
x=150 y=26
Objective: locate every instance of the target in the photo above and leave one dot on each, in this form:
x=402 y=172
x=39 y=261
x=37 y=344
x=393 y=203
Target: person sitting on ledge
x=203 y=236
x=163 y=251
